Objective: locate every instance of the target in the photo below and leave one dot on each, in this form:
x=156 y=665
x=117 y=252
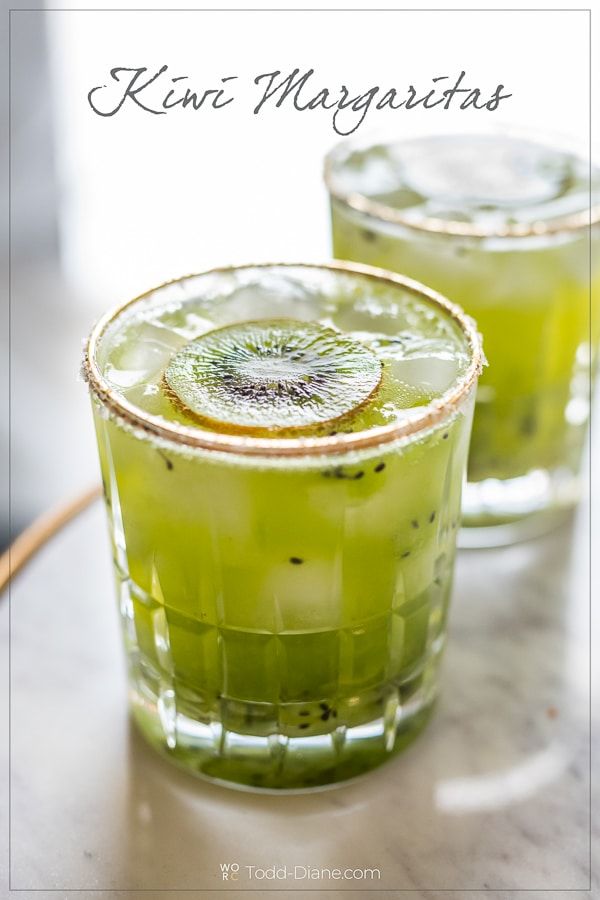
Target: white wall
x=150 y=197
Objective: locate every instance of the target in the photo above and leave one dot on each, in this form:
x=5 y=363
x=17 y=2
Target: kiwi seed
x=341 y=473
x=166 y=459
x=528 y=425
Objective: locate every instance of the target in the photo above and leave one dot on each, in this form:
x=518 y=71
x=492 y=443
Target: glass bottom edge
x=275 y=764
x=500 y=512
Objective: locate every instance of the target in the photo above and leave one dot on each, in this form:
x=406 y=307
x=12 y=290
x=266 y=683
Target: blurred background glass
x=103 y=208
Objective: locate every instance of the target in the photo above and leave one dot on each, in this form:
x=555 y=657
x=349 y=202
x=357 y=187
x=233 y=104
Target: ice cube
x=143 y=356
x=277 y=295
x=433 y=374
x=486 y=170
x=305 y=594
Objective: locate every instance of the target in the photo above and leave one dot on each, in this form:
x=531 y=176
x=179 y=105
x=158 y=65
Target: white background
x=150 y=197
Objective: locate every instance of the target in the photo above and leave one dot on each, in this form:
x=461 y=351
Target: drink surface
x=421 y=350
x=284 y=618
x=488 y=182
x=488 y=222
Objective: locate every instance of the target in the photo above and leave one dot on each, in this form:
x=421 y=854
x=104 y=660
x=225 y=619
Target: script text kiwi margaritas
x=158 y=92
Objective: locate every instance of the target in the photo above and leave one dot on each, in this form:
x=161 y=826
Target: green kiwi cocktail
x=282 y=451
x=502 y=226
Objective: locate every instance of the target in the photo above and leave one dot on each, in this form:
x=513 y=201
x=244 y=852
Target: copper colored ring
x=373 y=209
x=174 y=432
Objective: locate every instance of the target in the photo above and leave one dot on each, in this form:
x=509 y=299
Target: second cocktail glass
x=508 y=228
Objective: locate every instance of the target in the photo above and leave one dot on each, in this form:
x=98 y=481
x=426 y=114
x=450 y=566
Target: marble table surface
x=493 y=798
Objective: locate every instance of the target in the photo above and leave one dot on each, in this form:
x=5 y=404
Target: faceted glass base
x=274 y=762
x=500 y=512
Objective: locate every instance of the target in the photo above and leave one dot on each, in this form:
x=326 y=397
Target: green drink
x=501 y=226
x=282 y=451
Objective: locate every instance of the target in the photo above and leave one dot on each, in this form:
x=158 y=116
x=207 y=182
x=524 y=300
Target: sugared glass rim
x=193 y=437
x=360 y=203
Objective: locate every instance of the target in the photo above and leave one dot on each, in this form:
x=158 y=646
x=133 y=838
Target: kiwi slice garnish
x=272 y=375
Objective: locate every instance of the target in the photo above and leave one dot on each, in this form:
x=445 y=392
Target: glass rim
x=243 y=445
x=366 y=206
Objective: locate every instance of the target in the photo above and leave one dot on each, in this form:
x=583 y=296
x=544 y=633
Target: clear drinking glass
x=508 y=228
x=283 y=596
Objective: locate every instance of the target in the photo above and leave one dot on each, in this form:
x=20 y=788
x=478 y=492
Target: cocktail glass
x=284 y=599
x=508 y=228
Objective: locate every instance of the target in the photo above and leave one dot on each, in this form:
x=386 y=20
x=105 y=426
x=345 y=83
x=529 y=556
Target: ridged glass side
x=283 y=626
